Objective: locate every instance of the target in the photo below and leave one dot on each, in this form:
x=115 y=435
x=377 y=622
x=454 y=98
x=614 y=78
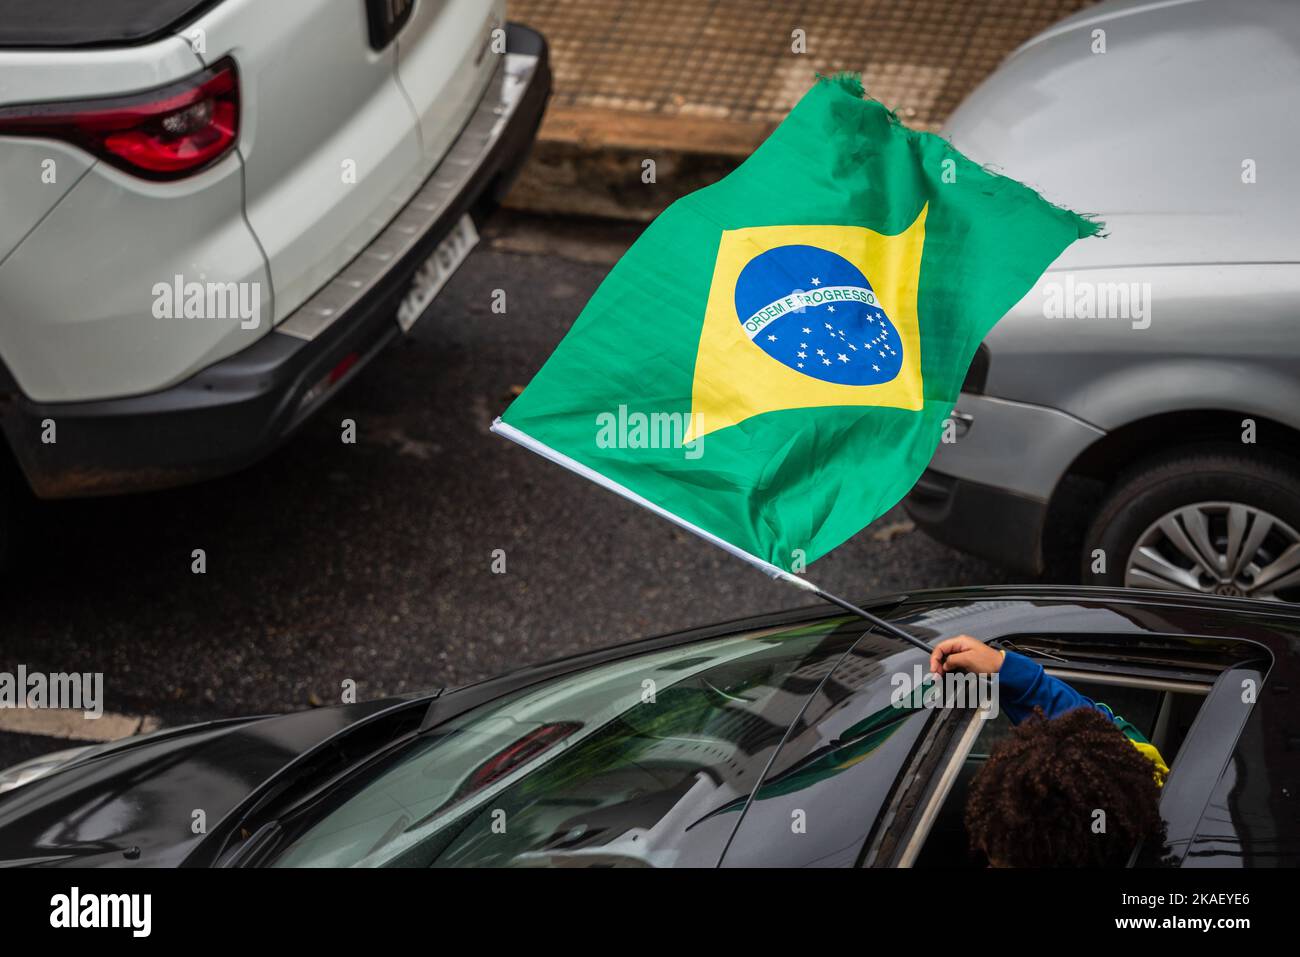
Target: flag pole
x=508 y=431
x=887 y=627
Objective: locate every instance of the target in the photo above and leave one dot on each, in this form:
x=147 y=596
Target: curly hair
x=1035 y=801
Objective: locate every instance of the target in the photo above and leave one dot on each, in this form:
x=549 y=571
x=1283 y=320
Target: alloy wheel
x=1218 y=548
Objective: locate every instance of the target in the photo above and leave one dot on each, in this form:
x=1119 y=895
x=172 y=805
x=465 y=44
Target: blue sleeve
x=1023 y=686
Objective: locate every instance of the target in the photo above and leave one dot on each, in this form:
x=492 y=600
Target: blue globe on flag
x=814 y=311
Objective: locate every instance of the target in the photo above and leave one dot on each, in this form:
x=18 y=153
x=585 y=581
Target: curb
x=589 y=162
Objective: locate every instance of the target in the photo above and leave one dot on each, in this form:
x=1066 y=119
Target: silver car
x=1135 y=419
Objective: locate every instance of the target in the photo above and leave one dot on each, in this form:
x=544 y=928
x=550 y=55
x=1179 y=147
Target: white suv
x=214 y=212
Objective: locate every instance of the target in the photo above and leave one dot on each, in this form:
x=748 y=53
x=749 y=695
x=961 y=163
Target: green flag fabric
x=771 y=363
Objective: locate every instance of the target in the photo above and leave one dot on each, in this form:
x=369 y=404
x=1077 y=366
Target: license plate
x=436 y=270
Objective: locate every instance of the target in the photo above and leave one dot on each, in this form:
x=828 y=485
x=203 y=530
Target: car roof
x=1152 y=134
x=839 y=763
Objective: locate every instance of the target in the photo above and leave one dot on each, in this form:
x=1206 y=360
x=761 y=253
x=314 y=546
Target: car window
x=645 y=761
x=1163 y=716
x=822 y=793
x=1141 y=706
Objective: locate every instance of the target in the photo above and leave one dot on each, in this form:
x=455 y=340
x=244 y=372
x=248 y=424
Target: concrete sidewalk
x=697 y=84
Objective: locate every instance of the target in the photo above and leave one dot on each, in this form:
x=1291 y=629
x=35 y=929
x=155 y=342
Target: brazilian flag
x=772 y=362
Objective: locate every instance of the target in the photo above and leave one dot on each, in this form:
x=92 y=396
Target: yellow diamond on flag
x=807 y=316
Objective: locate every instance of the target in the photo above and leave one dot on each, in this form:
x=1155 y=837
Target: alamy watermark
x=1084 y=299
x=953 y=689
x=651 y=430
x=179 y=299
x=66 y=691
x=75 y=909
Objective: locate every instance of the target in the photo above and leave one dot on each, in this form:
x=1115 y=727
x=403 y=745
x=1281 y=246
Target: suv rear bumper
x=238 y=410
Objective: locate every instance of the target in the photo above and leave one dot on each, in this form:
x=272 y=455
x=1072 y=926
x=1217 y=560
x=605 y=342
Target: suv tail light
x=168 y=133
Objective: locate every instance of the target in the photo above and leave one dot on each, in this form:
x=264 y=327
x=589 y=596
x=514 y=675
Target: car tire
x=1174 y=490
x=16 y=513
x=8 y=524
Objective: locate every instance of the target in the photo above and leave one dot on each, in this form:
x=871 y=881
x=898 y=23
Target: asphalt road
x=373 y=561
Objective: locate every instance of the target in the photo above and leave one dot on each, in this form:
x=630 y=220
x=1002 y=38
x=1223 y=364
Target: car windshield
x=646 y=761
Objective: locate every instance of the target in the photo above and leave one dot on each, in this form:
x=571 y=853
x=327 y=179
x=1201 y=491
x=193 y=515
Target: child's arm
x=1023 y=685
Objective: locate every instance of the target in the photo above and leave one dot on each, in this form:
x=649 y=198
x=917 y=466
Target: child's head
x=1035 y=802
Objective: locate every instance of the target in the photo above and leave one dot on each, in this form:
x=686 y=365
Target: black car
x=773 y=741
